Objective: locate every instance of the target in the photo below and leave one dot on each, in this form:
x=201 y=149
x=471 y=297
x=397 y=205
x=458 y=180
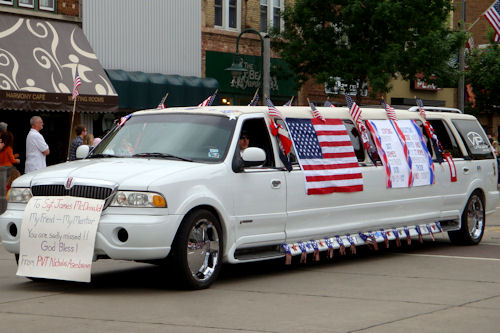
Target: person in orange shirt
x=7 y=157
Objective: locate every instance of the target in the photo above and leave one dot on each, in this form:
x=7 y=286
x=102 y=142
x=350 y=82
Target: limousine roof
x=305 y=112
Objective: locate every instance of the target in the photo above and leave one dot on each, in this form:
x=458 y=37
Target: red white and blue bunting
x=370 y=238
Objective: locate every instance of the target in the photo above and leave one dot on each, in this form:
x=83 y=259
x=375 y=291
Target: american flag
x=391 y=113
x=209 y=100
x=356 y=116
x=76 y=83
x=273 y=112
x=492 y=15
x=162 y=102
x=326 y=155
x=329 y=104
x=316 y=112
x=289 y=103
x=254 y=100
x=421 y=109
x=354 y=110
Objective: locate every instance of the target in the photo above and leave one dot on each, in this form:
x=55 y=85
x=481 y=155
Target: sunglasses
x=244 y=137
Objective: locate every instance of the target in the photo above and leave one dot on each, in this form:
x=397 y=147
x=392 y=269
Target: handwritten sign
x=57 y=237
x=421 y=161
x=388 y=144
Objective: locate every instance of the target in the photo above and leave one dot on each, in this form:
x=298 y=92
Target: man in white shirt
x=36 y=147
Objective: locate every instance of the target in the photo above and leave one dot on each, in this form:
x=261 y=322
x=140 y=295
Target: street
x=430 y=287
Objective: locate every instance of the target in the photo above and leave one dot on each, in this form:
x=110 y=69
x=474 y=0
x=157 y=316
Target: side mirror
x=82 y=151
x=253 y=156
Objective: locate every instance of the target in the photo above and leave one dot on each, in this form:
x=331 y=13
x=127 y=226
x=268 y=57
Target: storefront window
x=226 y=100
x=6 y=2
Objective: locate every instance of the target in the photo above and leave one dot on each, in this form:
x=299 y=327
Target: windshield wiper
x=162 y=155
x=102 y=156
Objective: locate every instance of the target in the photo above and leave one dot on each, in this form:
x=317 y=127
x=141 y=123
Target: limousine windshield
x=198 y=138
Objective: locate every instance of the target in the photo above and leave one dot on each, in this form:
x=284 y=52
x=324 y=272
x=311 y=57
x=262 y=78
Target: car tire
x=197 y=249
x=473 y=222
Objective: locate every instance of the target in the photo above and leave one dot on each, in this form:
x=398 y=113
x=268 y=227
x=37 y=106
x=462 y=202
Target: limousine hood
x=130 y=173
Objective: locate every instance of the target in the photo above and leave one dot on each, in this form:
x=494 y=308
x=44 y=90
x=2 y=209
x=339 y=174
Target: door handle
x=276 y=183
x=466 y=171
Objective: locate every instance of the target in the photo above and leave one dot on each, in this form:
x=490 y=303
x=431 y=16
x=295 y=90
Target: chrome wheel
x=473 y=222
x=197 y=249
x=475 y=217
x=203 y=249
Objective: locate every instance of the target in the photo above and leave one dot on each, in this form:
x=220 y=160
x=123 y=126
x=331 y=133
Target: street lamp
x=237 y=69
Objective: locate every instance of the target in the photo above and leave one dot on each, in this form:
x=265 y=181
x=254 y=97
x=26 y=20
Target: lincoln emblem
x=69 y=183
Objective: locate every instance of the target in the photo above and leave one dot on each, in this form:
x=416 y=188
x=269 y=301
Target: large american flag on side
x=493 y=16
x=326 y=155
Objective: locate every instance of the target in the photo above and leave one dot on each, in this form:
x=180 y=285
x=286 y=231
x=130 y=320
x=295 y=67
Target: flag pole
x=71 y=127
x=256 y=91
x=164 y=99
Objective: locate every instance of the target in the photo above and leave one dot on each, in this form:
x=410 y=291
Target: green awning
x=139 y=90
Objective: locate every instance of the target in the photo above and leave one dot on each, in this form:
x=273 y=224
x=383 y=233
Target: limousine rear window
x=446 y=138
x=196 y=137
x=355 y=140
x=474 y=138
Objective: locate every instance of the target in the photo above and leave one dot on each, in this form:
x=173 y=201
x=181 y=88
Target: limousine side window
x=293 y=155
x=475 y=140
x=355 y=140
x=446 y=138
x=258 y=136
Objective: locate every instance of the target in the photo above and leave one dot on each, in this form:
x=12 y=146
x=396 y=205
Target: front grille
x=82 y=191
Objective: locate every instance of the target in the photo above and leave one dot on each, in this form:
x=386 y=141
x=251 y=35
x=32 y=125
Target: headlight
x=138 y=199
x=19 y=194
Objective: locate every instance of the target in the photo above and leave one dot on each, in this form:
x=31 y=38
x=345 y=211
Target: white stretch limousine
x=181 y=188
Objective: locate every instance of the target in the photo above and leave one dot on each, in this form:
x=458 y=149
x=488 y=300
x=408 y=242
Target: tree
x=369 y=41
x=484 y=77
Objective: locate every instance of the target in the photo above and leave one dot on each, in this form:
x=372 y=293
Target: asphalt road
x=430 y=287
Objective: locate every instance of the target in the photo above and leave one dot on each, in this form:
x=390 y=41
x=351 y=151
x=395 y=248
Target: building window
x=26 y=3
x=227 y=14
x=218 y=13
x=270 y=14
x=46 y=5
x=6 y=2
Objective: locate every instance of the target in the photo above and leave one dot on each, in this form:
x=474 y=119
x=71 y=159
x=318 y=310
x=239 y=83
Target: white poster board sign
x=57 y=237
x=391 y=152
x=422 y=166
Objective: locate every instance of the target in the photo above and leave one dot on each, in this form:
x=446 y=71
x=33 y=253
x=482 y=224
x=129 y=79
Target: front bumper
x=149 y=236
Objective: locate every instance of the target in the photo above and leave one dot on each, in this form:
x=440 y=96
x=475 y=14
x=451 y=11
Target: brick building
x=222 y=22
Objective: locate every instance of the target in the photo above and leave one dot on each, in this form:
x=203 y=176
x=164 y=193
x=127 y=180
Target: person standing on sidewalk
x=36 y=147
x=77 y=141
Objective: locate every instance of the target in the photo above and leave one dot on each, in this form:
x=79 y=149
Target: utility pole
x=266 y=70
x=461 y=65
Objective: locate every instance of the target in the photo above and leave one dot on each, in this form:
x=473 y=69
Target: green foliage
x=369 y=40
x=484 y=77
